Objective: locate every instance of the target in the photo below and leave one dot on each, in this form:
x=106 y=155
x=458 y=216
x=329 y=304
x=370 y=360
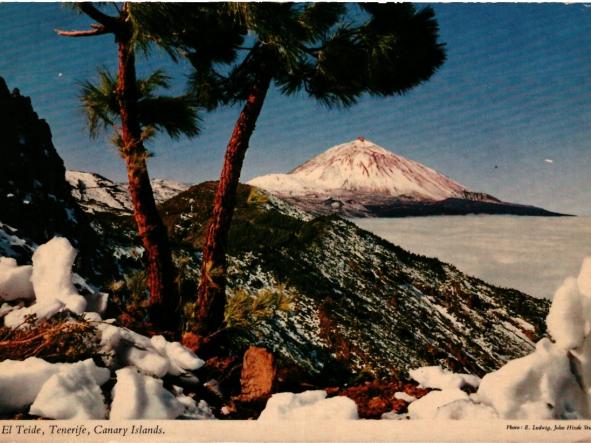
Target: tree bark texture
x=211 y=296
x=164 y=299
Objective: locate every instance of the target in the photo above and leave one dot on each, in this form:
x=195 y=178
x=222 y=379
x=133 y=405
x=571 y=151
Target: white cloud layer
x=502 y=250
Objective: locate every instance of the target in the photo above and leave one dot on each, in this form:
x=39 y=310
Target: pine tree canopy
x=175 y=115
x=334 y=52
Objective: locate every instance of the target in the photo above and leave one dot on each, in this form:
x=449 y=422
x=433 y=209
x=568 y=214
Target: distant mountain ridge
x=96 y=193
x=360 y=178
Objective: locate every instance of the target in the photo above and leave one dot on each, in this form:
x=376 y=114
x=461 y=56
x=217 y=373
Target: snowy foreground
x=553 y=382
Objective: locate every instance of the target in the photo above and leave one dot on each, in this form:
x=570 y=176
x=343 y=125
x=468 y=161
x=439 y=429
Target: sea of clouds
x=532 y=254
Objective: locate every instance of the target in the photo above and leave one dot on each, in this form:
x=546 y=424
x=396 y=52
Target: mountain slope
x=360 y=178
x=361 y=304
x=96 y=193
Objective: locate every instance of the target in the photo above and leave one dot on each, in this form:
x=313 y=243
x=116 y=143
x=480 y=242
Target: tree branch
x=98 y=30
x=109 y=22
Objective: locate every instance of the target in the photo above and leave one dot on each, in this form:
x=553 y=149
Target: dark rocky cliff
x=35 y=197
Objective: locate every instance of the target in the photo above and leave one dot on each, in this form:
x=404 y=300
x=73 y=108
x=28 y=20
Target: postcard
x=295 y=222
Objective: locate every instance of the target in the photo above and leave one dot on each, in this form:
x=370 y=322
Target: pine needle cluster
x=176 y=115
x=245 y=309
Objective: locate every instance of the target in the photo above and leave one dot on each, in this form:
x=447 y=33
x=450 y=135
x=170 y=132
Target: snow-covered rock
x=450 y=404
x=151 y=363
x=566 y=319
x=15 y=281
x=5 y=308
x=137 y=396
x=52 y=275
x=309 y=405
x=181 y=359
x=155 y=356
x=49 y=281
x=21 y=381
x=73 y=393
x=52 y=282
x=538 y=386
x=132 y=349
x=554 y=381
x=436 y=377
x=193 y=410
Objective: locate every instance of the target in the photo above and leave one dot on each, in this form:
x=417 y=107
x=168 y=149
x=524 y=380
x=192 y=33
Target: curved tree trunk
x=164 y=299
x=211 y=296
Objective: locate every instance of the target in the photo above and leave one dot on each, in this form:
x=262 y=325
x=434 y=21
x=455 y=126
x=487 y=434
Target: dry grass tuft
x=63 y=338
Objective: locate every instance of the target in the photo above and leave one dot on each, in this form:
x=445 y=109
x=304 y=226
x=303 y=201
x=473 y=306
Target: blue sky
x=509 y=113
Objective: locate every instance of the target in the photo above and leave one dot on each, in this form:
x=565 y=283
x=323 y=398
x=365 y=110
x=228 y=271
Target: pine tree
x=332 y=52
x=318 y=49
x=131 y=103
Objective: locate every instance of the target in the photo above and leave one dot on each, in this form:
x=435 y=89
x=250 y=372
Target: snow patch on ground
x=193 y=410
x=155 y=356
x=540 y=385
x=62 y=390
x=73 y=393
x=21 y=381
x=309 y=405
x=436 y=377
x=137 y=396
x=51 y=280
x=52 y=275
x=427 y=407
x=465 y=410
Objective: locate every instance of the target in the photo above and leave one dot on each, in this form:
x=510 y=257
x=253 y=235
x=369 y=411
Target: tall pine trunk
x=211 y=296
x=164 y=298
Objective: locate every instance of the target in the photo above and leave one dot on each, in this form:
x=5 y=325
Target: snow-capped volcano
x=360 y=179
x=362 y=167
